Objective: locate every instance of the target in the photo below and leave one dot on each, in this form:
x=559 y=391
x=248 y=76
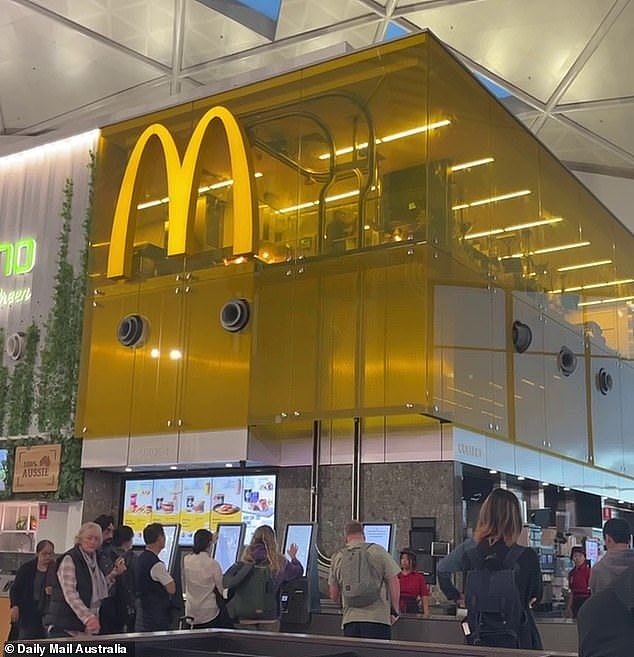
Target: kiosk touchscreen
x=379 y=533
x=302 y=536
x=229 y=540
x=168 y=553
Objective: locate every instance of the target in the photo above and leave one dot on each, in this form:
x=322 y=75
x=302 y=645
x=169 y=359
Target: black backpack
x=496 y=614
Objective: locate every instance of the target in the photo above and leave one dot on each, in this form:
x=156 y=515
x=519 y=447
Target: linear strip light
x=602 y=301
x=550 y=249
x=388 y=138
x=471 y=165
x=310 y=204
x=510 y=229
x=597 y=263
x=592 y=286
x=493 y=199
x=201 y=190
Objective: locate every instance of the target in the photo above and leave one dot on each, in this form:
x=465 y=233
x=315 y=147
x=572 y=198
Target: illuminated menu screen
x=200 y=503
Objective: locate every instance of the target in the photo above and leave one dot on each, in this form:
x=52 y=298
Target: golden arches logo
x=180 y=190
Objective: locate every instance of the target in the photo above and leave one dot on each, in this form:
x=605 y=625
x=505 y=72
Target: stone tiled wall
x=102 y=493
x=398 y=492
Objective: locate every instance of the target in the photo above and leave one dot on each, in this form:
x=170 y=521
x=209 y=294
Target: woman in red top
x=414 y=589
x=578 y=581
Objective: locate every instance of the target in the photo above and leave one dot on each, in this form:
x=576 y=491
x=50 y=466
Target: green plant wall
x=41 y=389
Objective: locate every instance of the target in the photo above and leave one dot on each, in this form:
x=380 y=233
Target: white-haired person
x=80 y=586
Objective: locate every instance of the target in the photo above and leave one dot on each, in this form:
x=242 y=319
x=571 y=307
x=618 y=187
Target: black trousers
x=368 y=630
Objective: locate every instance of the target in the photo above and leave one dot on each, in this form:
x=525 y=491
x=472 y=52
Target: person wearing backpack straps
x=364 y=578
x=503 y=579
x=255 y=582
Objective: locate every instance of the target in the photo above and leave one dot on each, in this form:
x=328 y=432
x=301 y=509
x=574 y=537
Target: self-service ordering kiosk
x=301 y=596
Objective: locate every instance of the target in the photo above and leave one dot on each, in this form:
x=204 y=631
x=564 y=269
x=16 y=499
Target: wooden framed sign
x=36 y=468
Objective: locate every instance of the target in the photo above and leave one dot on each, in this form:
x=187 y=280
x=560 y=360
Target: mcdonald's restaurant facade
x=367 y=265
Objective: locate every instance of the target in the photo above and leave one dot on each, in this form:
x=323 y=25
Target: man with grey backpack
x=364 y=578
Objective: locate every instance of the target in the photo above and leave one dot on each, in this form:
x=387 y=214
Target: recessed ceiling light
x=228 y=465
x=493 y=471
x=520 y=478
x=566 y=489
x=128 y=469
x=173 y=467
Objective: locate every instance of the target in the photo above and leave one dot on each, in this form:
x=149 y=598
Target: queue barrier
x=226 y=643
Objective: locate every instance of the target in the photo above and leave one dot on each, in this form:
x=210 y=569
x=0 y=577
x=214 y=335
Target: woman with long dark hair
x=28 y=594
x=202 y=583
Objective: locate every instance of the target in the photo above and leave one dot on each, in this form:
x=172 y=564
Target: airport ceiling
x=564 y=67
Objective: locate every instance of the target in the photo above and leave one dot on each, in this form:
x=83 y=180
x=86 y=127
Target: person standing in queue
x=154 y=585
x=80 y=587
x=202 y=582
x=414 y=596
x=28 y=595
x=618 y=557
x=364 y=577
x=256 y=579
x=578 y=581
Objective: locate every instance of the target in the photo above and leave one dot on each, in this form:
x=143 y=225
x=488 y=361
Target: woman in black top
x=28 y=594
x=499 y=526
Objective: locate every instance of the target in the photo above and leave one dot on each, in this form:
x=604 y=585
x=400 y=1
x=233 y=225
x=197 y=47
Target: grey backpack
x=360 y=584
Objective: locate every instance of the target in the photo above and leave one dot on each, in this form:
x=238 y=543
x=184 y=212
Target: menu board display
x=196 y=502
x=137 y=507
x=167 y=500
x=200 y=503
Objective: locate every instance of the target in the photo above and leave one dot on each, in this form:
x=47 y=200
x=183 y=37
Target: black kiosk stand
x=301 y=596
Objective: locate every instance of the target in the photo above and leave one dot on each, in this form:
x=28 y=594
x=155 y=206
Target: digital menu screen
x=302 y=536
x=200 y=503
x=229 y=543
x=379 y=533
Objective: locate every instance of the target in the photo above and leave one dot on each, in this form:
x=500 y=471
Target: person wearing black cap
x=414 y=589
x=618 y=557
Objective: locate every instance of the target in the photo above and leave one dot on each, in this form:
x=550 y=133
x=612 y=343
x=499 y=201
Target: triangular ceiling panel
x=298 y=16
x=145 y=26
x=531 y=44
x=613 y=124
x=209 y=35
x=609 y=72
x=571 y=146
x=85 y=69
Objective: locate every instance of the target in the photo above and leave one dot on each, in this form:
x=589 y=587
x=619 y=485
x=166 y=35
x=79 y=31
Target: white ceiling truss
x=81 y=63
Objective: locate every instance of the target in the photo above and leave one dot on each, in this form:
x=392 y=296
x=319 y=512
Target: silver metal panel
x=105 y=452
x=607 y=431
x=213 y=446
x=153 y=450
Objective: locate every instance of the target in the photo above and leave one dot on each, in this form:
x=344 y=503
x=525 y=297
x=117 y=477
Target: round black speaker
x=132 y=331
x=605 y=382
x=15 y=345
x=234 y=315
x=522 y=336
x=566 y=361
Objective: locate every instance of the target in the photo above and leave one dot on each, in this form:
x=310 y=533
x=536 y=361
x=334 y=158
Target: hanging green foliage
x=4 y=383
x=55 y=385
x=21 y=389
